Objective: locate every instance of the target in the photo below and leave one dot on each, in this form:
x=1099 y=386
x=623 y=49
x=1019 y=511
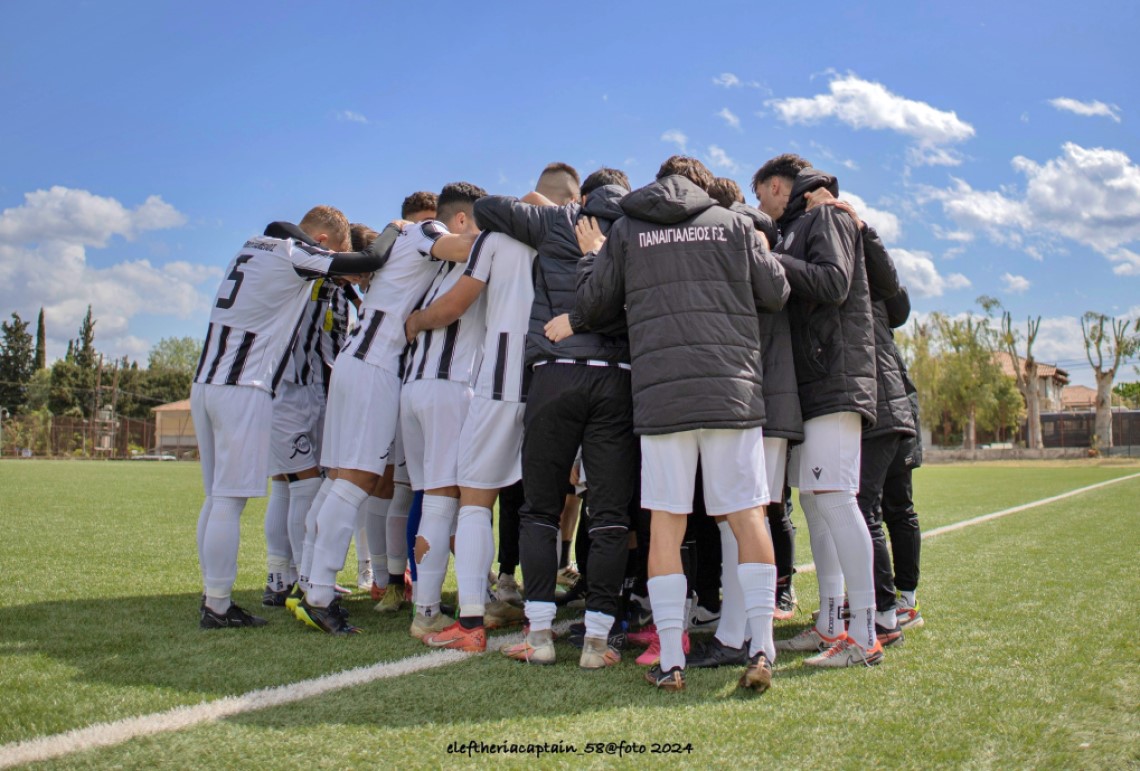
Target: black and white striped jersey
x=322 y=331
x=257 y=310
x=452 y=352
x=395 y=291
x=506 y=266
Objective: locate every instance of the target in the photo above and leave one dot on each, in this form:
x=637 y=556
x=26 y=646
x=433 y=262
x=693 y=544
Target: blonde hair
x=328 y=220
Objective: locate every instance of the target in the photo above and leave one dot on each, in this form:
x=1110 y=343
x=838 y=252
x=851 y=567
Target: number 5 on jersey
x=237 y=277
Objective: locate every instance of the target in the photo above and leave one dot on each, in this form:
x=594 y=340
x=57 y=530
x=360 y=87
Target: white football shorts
x=732 y=467
x=828 y=459
x=361 y=418
x=432 y=413
x=490 y=444
x=296 y=437
x=233 y=424
x=775 y=464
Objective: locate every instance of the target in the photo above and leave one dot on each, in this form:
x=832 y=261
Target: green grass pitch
x=1029 y=657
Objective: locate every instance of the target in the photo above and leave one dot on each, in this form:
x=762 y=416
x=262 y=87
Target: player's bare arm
x=453 y=247
x=445 y=310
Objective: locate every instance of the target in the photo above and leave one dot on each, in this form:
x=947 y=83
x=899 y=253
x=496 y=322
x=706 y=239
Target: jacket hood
x=760 y=220
x=285 y=230
x=605 y=202
x=806 y=181
x=667 y=201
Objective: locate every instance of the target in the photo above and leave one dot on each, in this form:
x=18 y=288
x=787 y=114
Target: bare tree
x=1113 y=344
x=1025 y=373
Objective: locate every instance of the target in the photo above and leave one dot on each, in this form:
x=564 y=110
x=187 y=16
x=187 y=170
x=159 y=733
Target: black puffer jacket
x=781 y=396
x=691 y=276
x=890 y=305
x=550 y=231
x=830 y=307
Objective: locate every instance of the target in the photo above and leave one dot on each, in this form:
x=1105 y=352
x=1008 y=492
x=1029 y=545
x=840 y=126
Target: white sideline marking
x=120 y=731
x=810 y=567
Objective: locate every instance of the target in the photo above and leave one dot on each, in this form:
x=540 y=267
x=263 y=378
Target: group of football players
x=587 y=338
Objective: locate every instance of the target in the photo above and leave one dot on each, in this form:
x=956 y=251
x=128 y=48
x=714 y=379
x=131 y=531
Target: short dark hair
x=605 y=176
x=455 y=197
x=689 y=168
x=726 y=192
x=417 y=202
x=787 y=166
x=361 y=236
x=560 y=183
x=565 y=168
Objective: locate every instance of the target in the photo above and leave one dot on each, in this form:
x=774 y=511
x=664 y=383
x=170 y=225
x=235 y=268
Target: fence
x=1076 y=429
x=49 y=436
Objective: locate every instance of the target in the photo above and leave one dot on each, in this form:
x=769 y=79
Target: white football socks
x=758 y=585
x=220 y=544
x=376 y=519
x=397 y=526
x=667 y=597
x=853 y=547
x=598 y=624
x=732 y=627
x=336 y=523
x=540 y=615
x=301 y=495
x=435 y=528
x=306 y=566
x=203 y=518
x=277 y=547
x=828 y=572
x=474 y=553
x=361 y=537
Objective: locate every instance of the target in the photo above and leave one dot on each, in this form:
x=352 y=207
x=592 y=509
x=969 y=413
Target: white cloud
x=1127 y=262
x=1090 y=196
x=727 y=80
x=43 y=262
x=961 y=236
x=884 y=222
x=351 y=117
x=1094 y=109
x=928 y=155
x=863 y=104
x=678 y=138
x=920 y=276
x=1015 y=284
x=730 y=118
x=720 y=160
x=76 y=216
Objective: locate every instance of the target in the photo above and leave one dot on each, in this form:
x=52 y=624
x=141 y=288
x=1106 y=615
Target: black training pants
x=571 y=406
x=510 y=501
x=878 y=454
x=897 y=513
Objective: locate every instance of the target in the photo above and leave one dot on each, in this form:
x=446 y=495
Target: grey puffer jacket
x=830 y=307
x=691 y=276
x=781 y=396
x=550 y=231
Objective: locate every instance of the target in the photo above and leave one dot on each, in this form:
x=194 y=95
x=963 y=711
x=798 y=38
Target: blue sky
x=994 y=144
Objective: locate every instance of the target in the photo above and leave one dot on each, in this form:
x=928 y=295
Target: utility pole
x=114 y=409
x=94 y=421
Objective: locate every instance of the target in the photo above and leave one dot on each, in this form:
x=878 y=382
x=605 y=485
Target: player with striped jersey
x=364 y=394
x=298 y=412
x=253 y=321
x=490 y=442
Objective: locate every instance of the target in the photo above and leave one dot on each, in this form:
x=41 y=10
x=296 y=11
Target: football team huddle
x=634 y=356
